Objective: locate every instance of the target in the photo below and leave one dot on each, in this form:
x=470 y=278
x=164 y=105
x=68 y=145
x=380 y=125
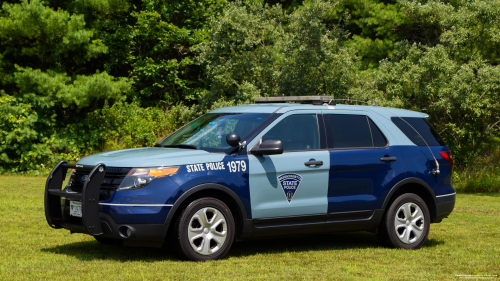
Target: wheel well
x=419 y=190
x=213 y=193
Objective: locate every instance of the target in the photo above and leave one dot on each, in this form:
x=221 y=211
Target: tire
x=205 y=230
x=406 y=223
x=108 y=241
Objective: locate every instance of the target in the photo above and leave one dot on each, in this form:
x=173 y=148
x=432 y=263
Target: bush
x=120 y=126
x=482 y=175
x=125 y=125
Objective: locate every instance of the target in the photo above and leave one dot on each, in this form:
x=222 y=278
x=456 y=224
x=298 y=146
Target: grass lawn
x=466 y=243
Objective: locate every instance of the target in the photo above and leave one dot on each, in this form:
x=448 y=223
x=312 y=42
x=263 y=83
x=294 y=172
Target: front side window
x=296 y=132
x=354 y=131
x=210 y=130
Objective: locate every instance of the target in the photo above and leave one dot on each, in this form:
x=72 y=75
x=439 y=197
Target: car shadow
x=92 y=250
x=314 y=242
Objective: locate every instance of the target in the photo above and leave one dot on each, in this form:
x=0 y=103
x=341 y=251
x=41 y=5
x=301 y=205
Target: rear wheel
x=205 y=230
x=406 y=223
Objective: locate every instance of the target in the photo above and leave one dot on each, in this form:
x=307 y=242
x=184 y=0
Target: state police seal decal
x=290 y=183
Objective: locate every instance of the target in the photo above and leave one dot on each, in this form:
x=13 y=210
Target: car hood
x=151 y=157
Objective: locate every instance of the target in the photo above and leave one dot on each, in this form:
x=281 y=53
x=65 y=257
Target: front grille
x=112 y=179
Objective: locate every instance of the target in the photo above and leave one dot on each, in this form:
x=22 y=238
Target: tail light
x=447 y=156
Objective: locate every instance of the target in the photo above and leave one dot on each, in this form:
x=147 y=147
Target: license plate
x=75 y=208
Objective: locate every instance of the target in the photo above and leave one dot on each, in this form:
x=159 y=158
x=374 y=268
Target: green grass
x=466 y=243
x=483 y=179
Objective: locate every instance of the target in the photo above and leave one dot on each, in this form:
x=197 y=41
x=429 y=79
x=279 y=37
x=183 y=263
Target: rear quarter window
x=423 y=128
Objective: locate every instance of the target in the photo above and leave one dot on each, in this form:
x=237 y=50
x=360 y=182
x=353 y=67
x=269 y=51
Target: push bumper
x=93 y=221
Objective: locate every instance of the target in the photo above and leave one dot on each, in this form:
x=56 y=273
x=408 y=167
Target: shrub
x=120 y=126
x=482 y=175
x=127 y=125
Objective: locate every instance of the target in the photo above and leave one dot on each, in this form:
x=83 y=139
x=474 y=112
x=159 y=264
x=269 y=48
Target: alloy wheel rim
x=409 y=223
x=207 y=231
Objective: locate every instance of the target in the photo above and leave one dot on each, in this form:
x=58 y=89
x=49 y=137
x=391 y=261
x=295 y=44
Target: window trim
x=371 y=132
x=323 y=139
x=378 y=128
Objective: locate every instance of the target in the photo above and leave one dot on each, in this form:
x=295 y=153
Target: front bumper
x=94 y=221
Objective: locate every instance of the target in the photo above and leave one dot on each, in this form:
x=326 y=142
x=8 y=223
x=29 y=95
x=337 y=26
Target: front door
x=288 y=184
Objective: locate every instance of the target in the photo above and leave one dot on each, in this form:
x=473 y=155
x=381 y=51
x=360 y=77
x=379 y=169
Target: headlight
x=140 y=177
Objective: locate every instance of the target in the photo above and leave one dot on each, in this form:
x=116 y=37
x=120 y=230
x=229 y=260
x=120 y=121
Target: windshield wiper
x=186 y=146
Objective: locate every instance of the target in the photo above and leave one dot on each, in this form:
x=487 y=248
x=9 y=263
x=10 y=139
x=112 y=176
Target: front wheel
x=205 y=230
x=406 y=223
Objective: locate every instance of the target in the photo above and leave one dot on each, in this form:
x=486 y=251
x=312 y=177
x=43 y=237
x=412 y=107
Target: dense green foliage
x=482 y=176
x=455 y=78
x=78 y=77
x=256 y=50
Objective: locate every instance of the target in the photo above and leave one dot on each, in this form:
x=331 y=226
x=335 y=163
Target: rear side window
x=353 y=131
x=423 y=128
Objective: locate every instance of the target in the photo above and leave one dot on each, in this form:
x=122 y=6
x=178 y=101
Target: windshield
x=210 y=130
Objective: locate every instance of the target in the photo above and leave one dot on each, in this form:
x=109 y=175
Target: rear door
x=363 y=164
x=284 y=185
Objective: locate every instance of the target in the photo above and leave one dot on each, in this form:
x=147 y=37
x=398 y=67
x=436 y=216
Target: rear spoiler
x=89 y=196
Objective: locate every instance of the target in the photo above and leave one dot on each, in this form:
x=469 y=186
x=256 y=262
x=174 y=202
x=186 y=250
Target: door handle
x=313 y=163
x=385 y=159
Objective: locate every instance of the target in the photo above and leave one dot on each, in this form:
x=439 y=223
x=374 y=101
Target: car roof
x=386 y=112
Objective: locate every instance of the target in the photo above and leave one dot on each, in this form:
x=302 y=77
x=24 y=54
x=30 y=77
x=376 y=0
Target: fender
x=407 y=181
x=207 y=186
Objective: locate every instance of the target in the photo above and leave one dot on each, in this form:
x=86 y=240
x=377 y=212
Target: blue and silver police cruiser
x=265 y=169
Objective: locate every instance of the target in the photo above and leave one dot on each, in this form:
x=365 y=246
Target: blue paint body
x=359 y=180
x=167 y=190
x=236 y=181
x=419 y=164
x=138 y=215
x=349 y=179
x=157 y=192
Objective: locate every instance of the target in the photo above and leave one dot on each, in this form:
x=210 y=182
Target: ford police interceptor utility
x=261 y=170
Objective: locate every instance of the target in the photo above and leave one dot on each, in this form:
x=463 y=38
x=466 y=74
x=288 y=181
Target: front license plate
x=75 y=208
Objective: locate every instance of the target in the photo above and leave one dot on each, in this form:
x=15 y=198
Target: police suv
x=273 y=168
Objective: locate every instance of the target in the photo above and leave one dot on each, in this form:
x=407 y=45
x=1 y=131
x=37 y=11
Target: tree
x=456 y=81
x=44 y=82
x=254 y=49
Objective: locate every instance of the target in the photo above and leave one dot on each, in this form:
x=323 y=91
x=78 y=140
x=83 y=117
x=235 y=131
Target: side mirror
x=233 y=139
x=268 y=147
